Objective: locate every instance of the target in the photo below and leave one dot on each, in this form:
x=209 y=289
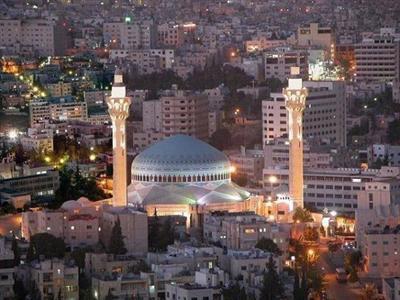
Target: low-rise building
x=391 y=288
x=6 y=270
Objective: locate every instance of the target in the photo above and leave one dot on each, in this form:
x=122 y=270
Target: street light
x=92 y=157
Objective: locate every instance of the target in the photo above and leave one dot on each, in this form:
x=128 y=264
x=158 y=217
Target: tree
x=234 y=292
x=239 y=179
x=19 y=289
x=311 y=234
x=268 y=245
x=116 y=244
x=352 y=260
x=353 y=276
x=272 y=286
x=154 y=232
x=302 y=215
x=315 y=279
x=393 y=132
x=16 y=251
x=47 y=245
x=221 y=139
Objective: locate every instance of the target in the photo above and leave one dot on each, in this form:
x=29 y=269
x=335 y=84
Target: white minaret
x=118 y=108
x=295 y=102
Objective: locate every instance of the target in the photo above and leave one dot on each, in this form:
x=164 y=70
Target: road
x=10 y=223
x=335 y=290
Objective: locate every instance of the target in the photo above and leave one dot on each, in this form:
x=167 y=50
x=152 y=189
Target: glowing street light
x=272 y=179
x=92 y=157
x=47 y=159
x=333 y=213
x=232 y=169
x=13 y=134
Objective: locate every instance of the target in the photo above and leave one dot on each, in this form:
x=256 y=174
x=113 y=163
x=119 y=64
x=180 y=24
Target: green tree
x=154 y=232
x=353 y=275
x=19 y=289
x=302 y=215
x=47 y=245
x=268 y=245
x=116 y=245
x=272 y=286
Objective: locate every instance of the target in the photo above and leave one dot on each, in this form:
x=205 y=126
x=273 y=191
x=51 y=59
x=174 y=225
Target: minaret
x=118 y=108
x=295 y=100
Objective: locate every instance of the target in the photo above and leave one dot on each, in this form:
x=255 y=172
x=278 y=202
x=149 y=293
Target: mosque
x=183 y=175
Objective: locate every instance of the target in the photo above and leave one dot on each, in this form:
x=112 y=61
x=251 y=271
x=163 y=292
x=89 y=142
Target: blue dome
x=181 y=158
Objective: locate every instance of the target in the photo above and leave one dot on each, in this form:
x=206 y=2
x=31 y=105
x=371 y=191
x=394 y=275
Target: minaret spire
x=118 y=108
x=295 y=102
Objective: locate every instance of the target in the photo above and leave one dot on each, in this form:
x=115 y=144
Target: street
x=335 y=290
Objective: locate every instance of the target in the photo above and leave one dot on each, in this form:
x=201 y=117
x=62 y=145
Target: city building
x=171 y=180
x=324 y=119
x=54 y=277
x=7 y=269
x=377 y=57
x=59 y=89
x=192 y=291
x=391 y=288
x=248 y=163
x=57 y=109
x=312 y=35
x=278 y=62
x=334 y=189
x=40 y=141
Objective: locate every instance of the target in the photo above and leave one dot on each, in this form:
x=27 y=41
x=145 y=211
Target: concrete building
x=59 y=89
x=314 y=35
x=118 y=108
x=55 y=277
x=31 y=37
x=248 y=163
x=152 y=118
x=57 y=109
x=334 y=189
x=324 y=119
x=295 y=102
x=95 y=98
x=133 y=226
x=377 y=57
x=130 y=35
x=192 y=291
x=381 y=252
x=391 y=288
x=183 y=112
x=262 y=43
x=40 y=141
x=278 y=62
x=7 y=270
x=384 y=153
x=40 y=186
x=171 y=35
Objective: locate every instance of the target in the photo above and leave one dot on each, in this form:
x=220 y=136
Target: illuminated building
x=295 y=102
x=184 y=176
x=314 y=35
x=118 y=108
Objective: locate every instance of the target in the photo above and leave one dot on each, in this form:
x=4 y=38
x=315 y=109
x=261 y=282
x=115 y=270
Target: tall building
x=118 y=108
x=279 y=61
x=324 y=119
x=295 y=102
x=184 y=112
x=314 y=35
x=377 y=57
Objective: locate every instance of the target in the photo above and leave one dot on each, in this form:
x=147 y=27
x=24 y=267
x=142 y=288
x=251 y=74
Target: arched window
x=203 y=178
x=160 y=178
x=169 y=178
x=189 y=178
x=198 y=178
x=184 y=178
x=174 y=179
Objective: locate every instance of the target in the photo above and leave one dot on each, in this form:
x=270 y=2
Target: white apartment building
x=30 y=36
x=381 y=252
x=377 y=57
x=334 y=189
x=183 y=112
x=129 y=35
x=241 y=231
x=324 y=118
x=57 y=109
x=214 y=121
x=55 y=277
x=152 y=115
x=6 y=270
x=314 y=35
x=278 y=62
